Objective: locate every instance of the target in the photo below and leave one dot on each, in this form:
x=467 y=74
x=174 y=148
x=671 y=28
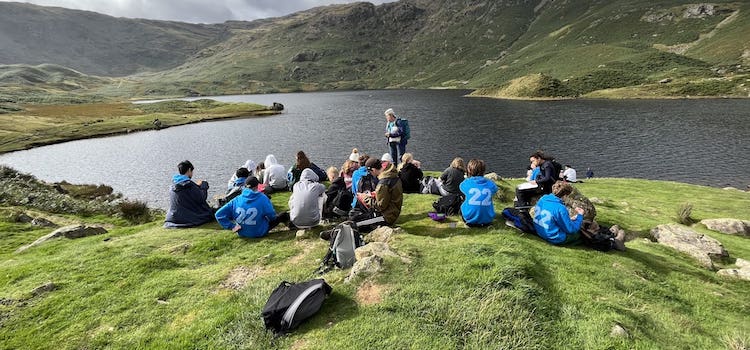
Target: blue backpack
x=405 y=126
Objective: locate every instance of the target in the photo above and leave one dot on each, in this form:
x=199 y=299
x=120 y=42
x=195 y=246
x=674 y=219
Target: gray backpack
x=344 y=239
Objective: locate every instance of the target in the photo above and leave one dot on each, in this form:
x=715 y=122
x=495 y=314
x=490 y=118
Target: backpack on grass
x=292 y=303
x=449 y=204
x=344 y=240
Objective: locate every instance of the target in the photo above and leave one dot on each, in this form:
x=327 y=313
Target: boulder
x=705 y=249
x=699 y=11
x=492 y=176
x=304 y=234
x=71 y=232
x=577 y=200
x=742 y=263
x=47 y=287
x=374 y=249
x=23 y=218
x=42 y=222
x=382 y=234
x=743 y=274
x=365 y=268
x=728 y=226
x=618 y=331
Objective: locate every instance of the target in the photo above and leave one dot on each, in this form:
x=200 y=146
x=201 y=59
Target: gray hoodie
x=306 y=201
x=275 y=174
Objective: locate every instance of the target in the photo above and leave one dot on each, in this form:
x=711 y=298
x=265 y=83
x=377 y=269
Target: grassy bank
x=38 y=125
x=147 y=287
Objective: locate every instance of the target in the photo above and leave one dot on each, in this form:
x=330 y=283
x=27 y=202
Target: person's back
x=452 y=179
x=252 y=211
x=274 y=175
x=250 y=166
x=546 y=177
x=570 y=174
x=305 y=204
x=477 y=208
x=552 y=221
x=389 y=194
x=187 y=200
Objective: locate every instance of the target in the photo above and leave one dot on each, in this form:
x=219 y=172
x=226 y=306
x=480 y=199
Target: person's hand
x=199 y=182
x=579 y=211
x=386 y=135
x=236 y=228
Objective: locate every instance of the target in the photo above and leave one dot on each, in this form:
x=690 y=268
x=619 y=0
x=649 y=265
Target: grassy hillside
x=147 y=287
x=94 y=43
x=46 y=124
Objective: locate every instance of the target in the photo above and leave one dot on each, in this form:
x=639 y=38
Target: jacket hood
x=550 y=199
x=248 y=195
x=177 y=178
x=249 y=165
x=308 y=175
x=479 y=180
x=240 y=181
x=270 y=160
x=389 y=172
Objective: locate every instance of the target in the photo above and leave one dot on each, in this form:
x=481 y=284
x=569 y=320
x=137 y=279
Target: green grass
x=148 y=287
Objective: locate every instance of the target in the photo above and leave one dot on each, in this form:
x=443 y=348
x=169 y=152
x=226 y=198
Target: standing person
x=306 y=202
x=569 y=174
x=251 y=214
x=395 y=133
x=453 y=176
x=589 y=173
x=187 y=200
x=389 y=195
x=477 y=209
x=274 y=175
x=410 y=174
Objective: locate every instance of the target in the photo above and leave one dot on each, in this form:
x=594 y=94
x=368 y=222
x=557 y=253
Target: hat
x=387 y=158
x=390 y=111
x=354 y=157
x=373 y=163
x=252 y=182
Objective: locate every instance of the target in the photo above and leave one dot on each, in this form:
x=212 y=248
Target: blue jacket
x=251 y=210
x=477 y=208
x=356 y=175
x=187 y=203
x=552 y=221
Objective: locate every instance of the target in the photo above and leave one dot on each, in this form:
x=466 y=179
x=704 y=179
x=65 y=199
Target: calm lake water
x=696 y=141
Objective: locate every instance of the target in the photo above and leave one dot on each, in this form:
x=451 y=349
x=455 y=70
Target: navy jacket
x=187 y=204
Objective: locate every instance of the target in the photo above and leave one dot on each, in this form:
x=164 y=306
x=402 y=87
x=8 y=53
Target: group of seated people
x=365 y=184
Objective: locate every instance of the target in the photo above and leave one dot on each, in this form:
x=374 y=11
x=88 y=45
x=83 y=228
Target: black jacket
x=188 y=206
x=546 y=177
x=411 y=177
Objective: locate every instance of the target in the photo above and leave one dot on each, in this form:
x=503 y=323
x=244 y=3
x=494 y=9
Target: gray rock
x=303 y=234
x=576 y=199
x=365 y=268
x=23 y=218
x=705 y=249
x=743 y=274
x=728 y=226
x=72 y=232
x=618 y=331
x=742 y=263
x=47 y=287
x=699 y=11
x=42 y=222
x=492 y=176
x=382 y=234
x=374 y=249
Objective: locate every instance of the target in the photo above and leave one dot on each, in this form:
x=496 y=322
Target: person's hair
x=252 y=182
x=302 y=161
x=332 y=170
x=567 y=165
x=242 y=172
x=405 y=159
x=476 y=167
x=375 y=164
x=363 y=159
x=458 y=163
x=348 y=166
x=261 y=166
x=184 y=167
x=562 y=189
x=539 y=154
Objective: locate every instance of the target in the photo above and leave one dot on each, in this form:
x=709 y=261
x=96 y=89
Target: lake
x=695 y=141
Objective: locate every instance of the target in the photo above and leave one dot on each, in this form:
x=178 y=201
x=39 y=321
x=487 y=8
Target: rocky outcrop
x=382 y=234
x=703 y=248
x=728 y=226
x=365 y=268
x=577 y=200
x=71 y=232
x=742 y=271
x=700 y=11
x=374 y=249
x=42 y=222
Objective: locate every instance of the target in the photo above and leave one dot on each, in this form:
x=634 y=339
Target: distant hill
x=624 y=48
x=97 y=44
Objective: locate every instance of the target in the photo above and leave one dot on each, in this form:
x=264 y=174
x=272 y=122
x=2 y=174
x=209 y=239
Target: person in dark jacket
x=389 y=194
x=337 y=191
x=453 y=176
x=547 y=176
x=187 y=200
x=410 y=175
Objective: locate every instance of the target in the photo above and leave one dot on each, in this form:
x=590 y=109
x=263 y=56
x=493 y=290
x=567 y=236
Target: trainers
x=510 y=223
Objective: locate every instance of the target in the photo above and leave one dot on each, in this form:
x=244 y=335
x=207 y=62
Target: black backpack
x=292 y=303
x=366 y=184
x=449 y=205
x=342 y=203
x=366 y=220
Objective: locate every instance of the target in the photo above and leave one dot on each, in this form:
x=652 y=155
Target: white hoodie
x=306 y=202
x=249 y=165
x=275 y=174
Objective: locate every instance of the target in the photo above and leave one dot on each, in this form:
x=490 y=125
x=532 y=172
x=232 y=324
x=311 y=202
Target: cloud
x=195 y=11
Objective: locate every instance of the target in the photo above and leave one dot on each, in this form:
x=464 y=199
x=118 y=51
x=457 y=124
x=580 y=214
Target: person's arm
x=420 y=173
x=545 y=174
x=269 y=212
x=382 y=196
x=567 y=224
x=225 y=215
x=444 y=175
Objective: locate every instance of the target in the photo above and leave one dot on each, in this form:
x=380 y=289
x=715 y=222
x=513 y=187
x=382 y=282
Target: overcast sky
x=196 y=11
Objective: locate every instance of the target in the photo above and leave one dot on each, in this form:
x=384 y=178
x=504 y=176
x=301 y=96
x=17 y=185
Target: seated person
x=547 y=176
x=410 y=174
x=359 y=186
x=388 y=196
x=347 y=171
x=187 y=200
x=338 y=197
x=569 y=174
x=551 y=219
x=386 y=160
x=306 y=202
x=541 y=179
x=274 y=175
x=302 y=163
x=250 y=166
x=453 y=176
x=240 y=176
x=251 y=213
x=477 y=209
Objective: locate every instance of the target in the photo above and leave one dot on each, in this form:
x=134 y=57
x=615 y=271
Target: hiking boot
x=619 y=238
